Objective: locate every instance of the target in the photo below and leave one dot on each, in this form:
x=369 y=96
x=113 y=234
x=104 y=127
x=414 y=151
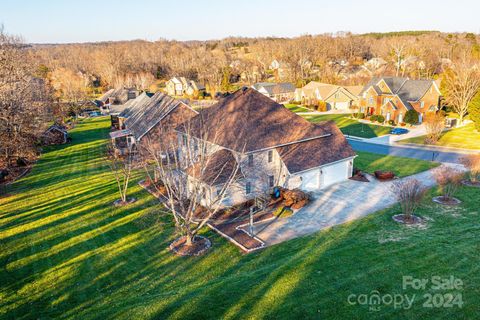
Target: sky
x=57 y=21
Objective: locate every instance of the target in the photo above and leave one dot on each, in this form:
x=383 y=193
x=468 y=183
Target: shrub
x=472 y=163
x=448 y=180
x=373 y=118
x=411 y=117
x=434 y=124
x=391 y=122
x=409 y=194
x=359 y=115
x=322 y=106
x=380 y=118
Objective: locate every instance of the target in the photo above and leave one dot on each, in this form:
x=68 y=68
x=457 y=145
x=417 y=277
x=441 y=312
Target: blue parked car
x=398 y=131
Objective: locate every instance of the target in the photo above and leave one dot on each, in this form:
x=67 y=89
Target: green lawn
x=466 y=137
x=67 y=253
x=402 y=167
x=350 y=126
x=296 y=108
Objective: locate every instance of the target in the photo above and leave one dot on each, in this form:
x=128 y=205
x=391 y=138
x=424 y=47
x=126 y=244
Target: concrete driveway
x=334 y=205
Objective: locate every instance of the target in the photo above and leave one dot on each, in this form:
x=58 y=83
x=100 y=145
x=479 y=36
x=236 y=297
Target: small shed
x=55 y=134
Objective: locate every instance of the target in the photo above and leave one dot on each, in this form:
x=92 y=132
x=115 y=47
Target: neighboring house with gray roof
x=392 y=97
x=279 y=92
x=152 y=117
x=271 y=145
x=118 y=96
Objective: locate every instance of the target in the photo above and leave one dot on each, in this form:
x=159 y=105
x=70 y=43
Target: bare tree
x=121 y=167
x=409 y=194
x=398 y=51
x=434 y=125
x=448 y=179
x=23 y=102
x=195 y=177
x=462 y=83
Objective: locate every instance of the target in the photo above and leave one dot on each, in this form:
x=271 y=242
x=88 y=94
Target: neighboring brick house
x=336 y=97
x=392 y=97
x=154 y=117
x=279 y=92
x=272 y=146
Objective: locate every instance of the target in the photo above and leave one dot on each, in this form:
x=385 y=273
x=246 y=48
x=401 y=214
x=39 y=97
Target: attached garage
x=325 y=176
x=341 y=105
x=336 y=172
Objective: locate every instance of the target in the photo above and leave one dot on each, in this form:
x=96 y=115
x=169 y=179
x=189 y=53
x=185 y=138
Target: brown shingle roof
x=317 y=152
x=247 y=121
x=219 y=167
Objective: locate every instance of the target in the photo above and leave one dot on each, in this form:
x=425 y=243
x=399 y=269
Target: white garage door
x=310 y=180
x=342 y=105
x=335 y=173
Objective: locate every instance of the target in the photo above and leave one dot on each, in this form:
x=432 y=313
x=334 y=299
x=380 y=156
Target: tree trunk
x=188 y=239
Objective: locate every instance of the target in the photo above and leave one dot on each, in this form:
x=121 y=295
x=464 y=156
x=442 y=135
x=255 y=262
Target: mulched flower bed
x=120 y=203
x=469 y=183
x=446 y=201
x=233 y=232
x=199 y=246
x=401 y=218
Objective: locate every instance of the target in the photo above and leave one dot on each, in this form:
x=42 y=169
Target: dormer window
x=422 y=104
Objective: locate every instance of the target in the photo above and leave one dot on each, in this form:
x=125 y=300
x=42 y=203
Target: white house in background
x=271 y=145
x=178 y=86
x=279 y=92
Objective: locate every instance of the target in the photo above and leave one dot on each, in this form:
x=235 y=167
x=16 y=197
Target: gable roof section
x=145 y=116
x=219 y=167
x=247 y=121
x=405 y=89
x=275 y=88
x=313 y=153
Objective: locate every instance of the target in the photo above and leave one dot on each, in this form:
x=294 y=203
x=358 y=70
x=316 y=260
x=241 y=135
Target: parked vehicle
x=398 y=131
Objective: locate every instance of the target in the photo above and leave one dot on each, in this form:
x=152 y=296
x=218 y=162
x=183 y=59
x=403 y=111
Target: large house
x=115 y=97
x=179 y=86
x=154 y=116
x=392 y=97
x=279 y=92
x=271 y=145
x=336 y=97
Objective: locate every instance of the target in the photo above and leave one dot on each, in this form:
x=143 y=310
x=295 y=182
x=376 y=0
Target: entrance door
x=388 y=116
x=400 y=118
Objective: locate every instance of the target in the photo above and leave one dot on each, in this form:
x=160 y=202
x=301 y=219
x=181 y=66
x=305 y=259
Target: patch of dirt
x=412 y=220
x=120 y=203
x=199 y=246
x=469 y=183
x=446 y=201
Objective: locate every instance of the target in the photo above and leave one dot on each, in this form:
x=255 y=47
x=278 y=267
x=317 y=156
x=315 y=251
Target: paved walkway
x=337 y=204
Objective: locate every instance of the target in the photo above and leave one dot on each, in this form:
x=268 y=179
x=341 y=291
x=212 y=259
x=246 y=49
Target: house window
x=422 y=104
x=250 y=160
x=271 y=181
x=184 y=140
x=370 y=101
x=248 y=188
x=270 y=156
